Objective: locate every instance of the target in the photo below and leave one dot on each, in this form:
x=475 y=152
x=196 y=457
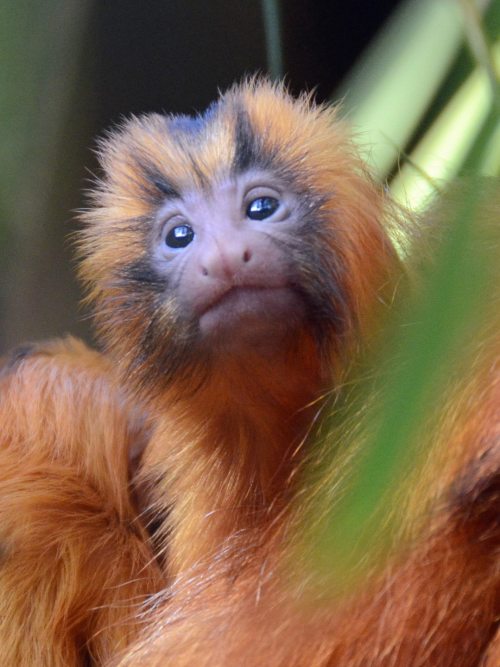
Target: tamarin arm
x=75 y=563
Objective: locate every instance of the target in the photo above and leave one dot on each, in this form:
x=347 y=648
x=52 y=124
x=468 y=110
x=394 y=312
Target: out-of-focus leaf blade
x=443 y=151
x=385 y=415
x=391 y=86
x=430 y=337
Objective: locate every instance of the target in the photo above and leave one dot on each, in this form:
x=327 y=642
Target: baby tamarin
x=237 y=262
x=228 y=298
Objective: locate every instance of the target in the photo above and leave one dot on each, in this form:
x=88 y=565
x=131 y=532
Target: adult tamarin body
x=237 y=263
x=75 y=558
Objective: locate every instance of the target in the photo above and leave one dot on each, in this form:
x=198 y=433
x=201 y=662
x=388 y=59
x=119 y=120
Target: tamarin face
x=231 y=233
x=231 y=256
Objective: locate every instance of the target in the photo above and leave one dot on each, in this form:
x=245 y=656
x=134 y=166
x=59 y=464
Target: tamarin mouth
x=251 y=311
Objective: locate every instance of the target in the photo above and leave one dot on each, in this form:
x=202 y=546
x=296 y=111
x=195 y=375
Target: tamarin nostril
x=247 y=256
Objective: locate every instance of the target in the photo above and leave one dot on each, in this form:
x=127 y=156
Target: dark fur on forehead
x=249 y=152
x=155 y=185
x=202 y=180
x=191 y=126
x=184 y=125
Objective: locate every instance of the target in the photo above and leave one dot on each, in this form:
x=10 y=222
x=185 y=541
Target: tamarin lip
x=230 y=292
x=252 y=310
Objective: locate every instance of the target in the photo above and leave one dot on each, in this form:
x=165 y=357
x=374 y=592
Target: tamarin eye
x=179 y=237
x=262 y=207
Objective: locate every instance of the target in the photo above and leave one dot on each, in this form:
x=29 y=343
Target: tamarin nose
x=224 y=260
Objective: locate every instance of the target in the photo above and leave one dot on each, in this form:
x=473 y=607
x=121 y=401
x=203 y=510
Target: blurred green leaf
x=379 y=430
x=390 y=407
x=35 y=84
x=456 y=141
x=391 y=86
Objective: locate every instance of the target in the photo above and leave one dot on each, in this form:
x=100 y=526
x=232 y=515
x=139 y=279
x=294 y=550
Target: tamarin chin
x=238 y=263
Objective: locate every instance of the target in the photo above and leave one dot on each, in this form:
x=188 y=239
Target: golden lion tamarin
x=238 y=264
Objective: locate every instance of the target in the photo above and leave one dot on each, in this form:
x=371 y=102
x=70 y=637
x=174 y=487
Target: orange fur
x=436 y=602
x=76 y=563
x=227 y=437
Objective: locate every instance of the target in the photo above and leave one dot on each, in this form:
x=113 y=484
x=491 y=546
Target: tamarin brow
x=248 y=150
x=163 y=187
